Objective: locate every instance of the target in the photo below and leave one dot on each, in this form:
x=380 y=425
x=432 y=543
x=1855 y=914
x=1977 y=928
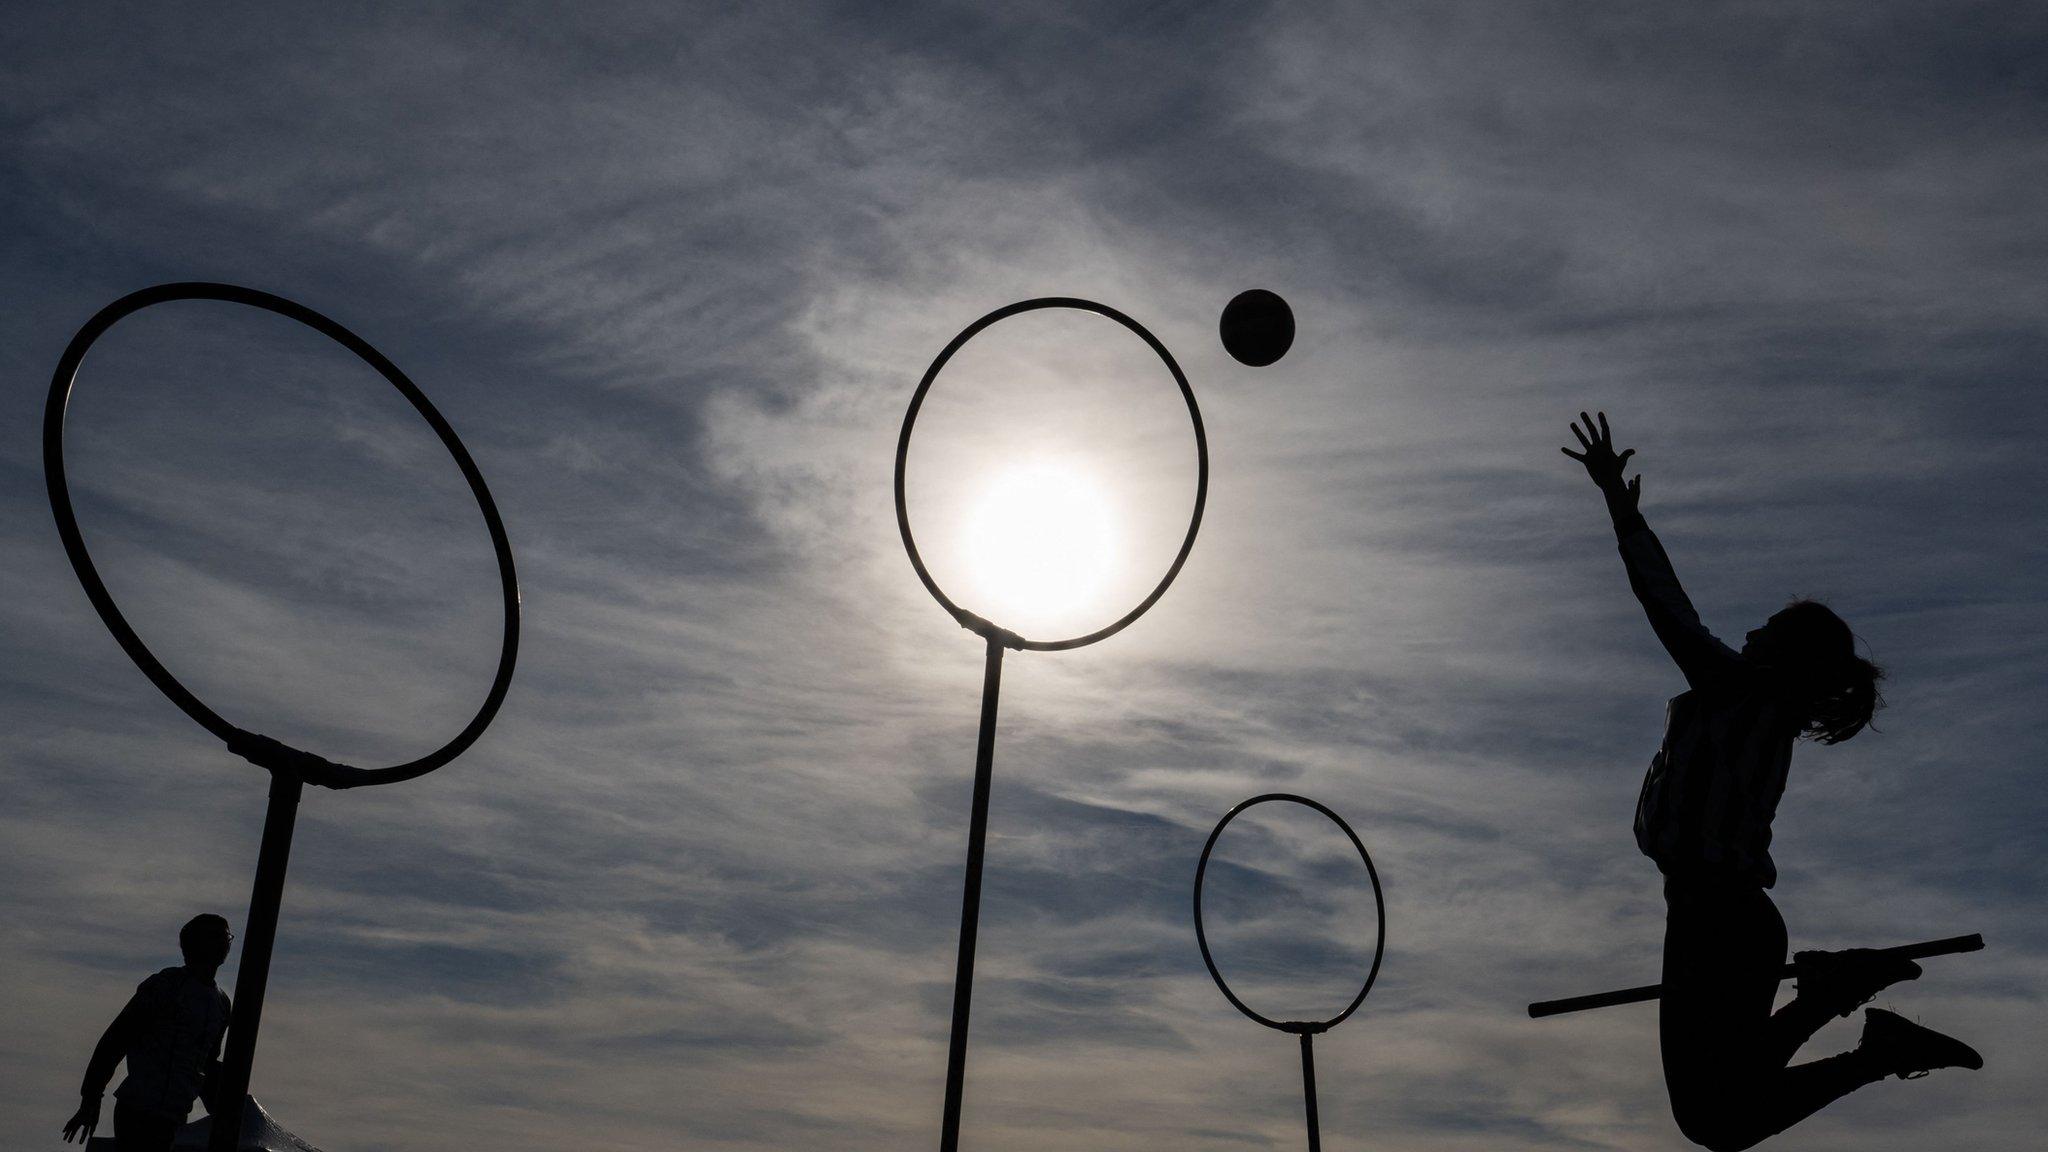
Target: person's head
x=1812 y=653
x=205 y=939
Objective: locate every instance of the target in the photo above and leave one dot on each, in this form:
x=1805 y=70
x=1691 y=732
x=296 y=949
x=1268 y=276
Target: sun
x=1040 y=544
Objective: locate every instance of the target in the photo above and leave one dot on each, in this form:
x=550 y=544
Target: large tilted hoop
x=96 y=590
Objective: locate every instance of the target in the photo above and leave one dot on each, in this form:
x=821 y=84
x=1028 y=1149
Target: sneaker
x=1904 y=1049
x=1845 y=981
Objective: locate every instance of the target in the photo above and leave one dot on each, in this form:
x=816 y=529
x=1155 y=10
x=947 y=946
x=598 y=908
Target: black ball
x=1257 y=327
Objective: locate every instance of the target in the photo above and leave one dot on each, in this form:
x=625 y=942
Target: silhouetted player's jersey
x=178 y=1028
x=1709 y=796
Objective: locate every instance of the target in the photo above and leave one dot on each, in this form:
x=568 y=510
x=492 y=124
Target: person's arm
x=1696 y=651
x=210 y=1073
x=106 y=1055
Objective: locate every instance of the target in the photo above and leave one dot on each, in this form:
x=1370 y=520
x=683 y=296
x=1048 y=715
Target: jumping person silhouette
x=1705 y=817
x=170 y=1034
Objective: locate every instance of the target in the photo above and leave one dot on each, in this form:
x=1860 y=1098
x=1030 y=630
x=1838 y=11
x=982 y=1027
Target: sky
x=673 y=271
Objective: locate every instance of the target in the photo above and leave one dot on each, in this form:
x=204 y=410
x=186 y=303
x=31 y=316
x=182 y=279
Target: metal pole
x=259 y=932
x=1308 y=1090
x=970 y=901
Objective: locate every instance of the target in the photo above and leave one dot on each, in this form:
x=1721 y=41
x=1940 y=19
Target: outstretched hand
x=84 y=1121
x=1602 y=463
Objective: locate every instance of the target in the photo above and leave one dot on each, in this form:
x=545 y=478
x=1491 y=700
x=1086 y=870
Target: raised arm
x=1695 y=650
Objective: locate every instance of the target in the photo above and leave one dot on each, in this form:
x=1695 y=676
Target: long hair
x=1835 y=688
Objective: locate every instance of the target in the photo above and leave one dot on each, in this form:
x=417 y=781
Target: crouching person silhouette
x=170 y=1034
x=1705 y=817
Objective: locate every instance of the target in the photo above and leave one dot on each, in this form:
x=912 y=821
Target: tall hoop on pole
x=290 y=768
x=1306 y=1029
x=998 y=638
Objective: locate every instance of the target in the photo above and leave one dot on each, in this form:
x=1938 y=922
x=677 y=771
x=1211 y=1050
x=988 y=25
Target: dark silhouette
x=1944 y=947
x=170 y=1035
x=260 y=1132
x=1257 y=327
x=1704 y=816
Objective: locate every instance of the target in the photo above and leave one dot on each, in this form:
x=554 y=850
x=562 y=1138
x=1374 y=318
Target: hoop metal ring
x=976 y=623
x=1378 y=900
x=96 y=590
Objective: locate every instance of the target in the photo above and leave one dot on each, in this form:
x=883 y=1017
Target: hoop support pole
x=1308 y=1091
x=970 y=900
x=259 y=932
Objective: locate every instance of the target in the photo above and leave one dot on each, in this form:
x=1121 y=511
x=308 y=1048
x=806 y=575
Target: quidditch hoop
x=1378 y=900
x=103 y=603
x=976 y=623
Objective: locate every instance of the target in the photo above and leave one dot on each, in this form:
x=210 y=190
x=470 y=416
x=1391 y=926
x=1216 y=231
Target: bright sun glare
x=1041 y=544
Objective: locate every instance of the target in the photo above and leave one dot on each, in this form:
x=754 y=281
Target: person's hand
x=84 y=1121
x=211 y=1081
x=1602 y=463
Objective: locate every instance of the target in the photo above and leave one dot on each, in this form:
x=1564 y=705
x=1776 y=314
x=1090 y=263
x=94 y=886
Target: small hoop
x=103 y=602
x=1378 y=900
x=976 y=623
